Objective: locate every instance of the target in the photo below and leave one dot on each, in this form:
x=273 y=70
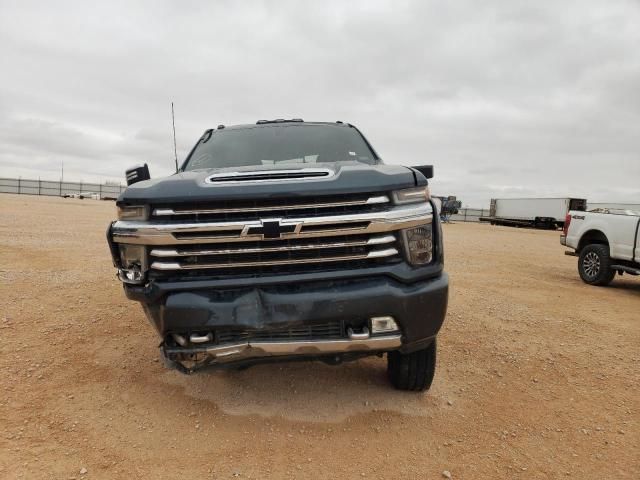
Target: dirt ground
x=537 y=375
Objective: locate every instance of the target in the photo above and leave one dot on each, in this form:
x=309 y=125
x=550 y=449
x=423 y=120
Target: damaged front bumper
x=194 y=357
x=237 y=324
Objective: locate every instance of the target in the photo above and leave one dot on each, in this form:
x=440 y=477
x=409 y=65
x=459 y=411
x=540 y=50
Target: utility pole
x=62 y=173
x=175 y=149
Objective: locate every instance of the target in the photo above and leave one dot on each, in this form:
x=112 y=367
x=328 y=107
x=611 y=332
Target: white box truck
x=532 y=212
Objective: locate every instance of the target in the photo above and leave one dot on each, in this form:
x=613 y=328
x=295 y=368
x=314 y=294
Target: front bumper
x=418 y=308
x=254 y=350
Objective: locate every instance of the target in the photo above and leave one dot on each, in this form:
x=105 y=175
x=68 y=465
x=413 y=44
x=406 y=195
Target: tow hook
x=363 y=335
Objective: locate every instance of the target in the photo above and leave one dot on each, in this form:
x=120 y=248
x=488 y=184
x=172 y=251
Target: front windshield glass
x=280 y=145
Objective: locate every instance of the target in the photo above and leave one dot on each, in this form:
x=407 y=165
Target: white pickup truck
x=606 y=242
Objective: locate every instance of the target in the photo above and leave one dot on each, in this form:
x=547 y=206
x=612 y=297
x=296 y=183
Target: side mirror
x=426 y=170
x=137 y=174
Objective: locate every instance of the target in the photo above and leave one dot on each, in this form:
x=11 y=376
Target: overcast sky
x=505 y=98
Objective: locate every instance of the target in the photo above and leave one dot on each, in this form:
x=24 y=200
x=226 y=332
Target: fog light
x=131 y=275
x=383 y=324
x=133 y=262
x=419 y=244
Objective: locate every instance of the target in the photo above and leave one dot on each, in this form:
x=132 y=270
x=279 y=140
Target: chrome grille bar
x=159 y=265
x=380 y=199
x=374 y=240
x=172 y=233
x=258 y=176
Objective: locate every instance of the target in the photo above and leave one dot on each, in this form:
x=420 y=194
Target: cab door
x=621 y=233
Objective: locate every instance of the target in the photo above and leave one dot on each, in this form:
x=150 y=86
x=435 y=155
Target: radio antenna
x=175 y=149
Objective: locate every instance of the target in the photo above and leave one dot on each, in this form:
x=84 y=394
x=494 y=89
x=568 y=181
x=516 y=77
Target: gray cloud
x=504 y=98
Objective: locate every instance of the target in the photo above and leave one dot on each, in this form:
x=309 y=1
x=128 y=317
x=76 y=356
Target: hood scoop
x=258 y=176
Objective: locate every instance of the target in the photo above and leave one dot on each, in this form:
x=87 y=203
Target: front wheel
x=594 y=265
x=412 y=371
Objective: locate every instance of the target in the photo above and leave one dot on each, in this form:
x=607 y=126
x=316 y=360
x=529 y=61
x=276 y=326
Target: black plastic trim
x=635 y=241
x=115 y=255
x=401 y=272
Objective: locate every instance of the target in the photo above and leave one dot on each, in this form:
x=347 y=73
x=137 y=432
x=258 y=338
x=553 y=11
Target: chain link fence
x=111 y=191
x=469 y=214
x=59 y=189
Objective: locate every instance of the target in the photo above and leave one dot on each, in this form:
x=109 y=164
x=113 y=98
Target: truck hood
x=345 y=177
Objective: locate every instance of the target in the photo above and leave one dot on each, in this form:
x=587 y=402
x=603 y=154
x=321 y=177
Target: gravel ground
x=537 y=376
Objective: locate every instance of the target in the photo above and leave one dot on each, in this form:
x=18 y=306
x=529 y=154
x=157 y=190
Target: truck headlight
x=133 y=262
x=411 y=195
x=138 y=212
x=418 y=244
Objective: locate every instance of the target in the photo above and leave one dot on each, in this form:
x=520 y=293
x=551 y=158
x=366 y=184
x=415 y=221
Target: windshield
x=279 y=145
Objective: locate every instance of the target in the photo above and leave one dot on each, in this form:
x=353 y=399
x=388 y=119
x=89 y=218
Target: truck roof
x=281 y=121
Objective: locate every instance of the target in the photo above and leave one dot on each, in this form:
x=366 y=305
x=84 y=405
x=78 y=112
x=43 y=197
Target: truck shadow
x=629 y=284
x=305 y=391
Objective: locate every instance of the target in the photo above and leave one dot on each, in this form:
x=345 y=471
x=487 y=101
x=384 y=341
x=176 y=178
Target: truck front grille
x=274 y=236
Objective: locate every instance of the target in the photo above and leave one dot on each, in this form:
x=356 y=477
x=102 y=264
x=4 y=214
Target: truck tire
x=594 y=265
x=412 y=371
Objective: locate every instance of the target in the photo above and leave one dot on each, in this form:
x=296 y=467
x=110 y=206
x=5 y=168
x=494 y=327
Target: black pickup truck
x=286 y=240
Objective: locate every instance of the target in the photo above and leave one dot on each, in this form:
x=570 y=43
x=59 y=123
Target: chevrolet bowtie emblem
x=272 y=229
